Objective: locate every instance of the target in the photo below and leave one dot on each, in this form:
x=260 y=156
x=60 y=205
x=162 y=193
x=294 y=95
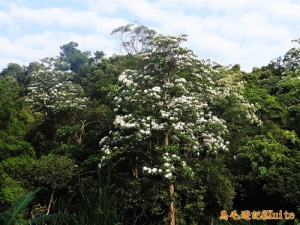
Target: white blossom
x=154 y=105
x=53 y=90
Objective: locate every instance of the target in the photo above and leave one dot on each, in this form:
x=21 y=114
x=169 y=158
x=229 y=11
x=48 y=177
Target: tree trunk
x=166 y=141
x=171 y=191
x=134 y=166
x=51 y=200
x=171 y=206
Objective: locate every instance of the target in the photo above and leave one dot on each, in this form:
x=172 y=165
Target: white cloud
x=28 y=46
x=283 y=11
x=5 y=61
x=248 y=32
x=5 y=19
x=36 y=46
x=231 y=31
x=63 y=17
x=105 y=6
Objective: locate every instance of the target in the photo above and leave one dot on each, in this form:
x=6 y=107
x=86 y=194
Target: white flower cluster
x=170 y=160
x=156 y=126
x=121 y=121
x=53 y=90
x=180 y=80
x=164 y=114
x=103 y=140
x=156 y=89
x=152 y=170
x=230 y=85
x=248 y=110
x=214 y=142
x=179 y=126
x=127 y=80
x=168 y=157
x=157 y=101
x=167 y=173
x=106 y=150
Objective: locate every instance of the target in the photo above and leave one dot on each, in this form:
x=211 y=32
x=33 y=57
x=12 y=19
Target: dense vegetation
x=156 y=136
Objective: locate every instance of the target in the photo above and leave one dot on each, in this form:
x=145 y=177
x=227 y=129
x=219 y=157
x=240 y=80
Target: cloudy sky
x=246 y=32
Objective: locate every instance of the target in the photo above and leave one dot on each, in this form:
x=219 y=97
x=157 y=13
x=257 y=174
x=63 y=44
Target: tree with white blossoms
x=164 y=122
x=291 y=60
x=51 y=88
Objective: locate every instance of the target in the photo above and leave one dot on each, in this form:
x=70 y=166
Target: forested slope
x=154 y=136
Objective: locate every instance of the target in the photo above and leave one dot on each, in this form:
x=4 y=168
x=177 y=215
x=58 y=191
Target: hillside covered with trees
x=154 y=136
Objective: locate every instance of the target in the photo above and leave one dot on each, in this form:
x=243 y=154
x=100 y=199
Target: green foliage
x=17 y=207
x=17 y=72
x=10 y=188
x=33 y=67
x=96 y=78
x=70 y=54
x=134 y=39
x=97 y=206
x=55 y=174
x=17 y=155
x=292 y=58
x=54 y=171
x=51 y=219
x=163 y=117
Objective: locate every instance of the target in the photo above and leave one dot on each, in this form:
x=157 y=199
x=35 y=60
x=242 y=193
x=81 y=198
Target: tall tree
x=134 y=39
x=70 y=54
x=291 y=59
x=164 y=124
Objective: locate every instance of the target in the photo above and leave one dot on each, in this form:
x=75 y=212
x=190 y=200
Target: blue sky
x=246 y=32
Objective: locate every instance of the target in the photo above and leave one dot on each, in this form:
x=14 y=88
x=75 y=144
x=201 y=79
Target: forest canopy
x=154 y=136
